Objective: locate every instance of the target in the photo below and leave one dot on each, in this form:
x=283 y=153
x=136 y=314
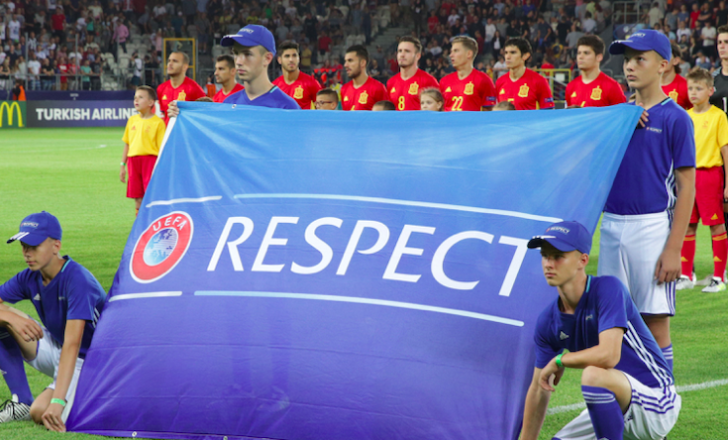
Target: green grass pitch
x=74 y=173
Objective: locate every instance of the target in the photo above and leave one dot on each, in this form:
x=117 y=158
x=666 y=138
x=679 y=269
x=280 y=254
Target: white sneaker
x=716 y=285
x=13 y=410
x=685 y=283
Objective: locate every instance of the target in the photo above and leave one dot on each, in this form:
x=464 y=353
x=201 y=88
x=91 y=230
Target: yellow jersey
x=144 y=136
x=711 y=134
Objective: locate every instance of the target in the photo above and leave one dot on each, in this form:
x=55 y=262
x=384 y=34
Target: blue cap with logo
x=564 y=236
x=35 y=228
x=252 y=35
x=644 y=40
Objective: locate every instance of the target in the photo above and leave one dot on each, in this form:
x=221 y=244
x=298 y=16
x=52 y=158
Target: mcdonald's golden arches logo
x=14 y=112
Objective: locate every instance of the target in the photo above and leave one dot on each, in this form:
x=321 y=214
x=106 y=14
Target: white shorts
x=629 y=248
x=46 y=361
x=651 y=415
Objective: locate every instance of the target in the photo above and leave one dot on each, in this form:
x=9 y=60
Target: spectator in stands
x=34 y=72
x=121 y=33
x=48 y=73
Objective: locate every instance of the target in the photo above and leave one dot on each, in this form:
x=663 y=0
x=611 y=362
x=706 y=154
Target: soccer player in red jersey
x=526 y=89
x=675 y=85
x=404 y=88
x=363 y=91
x=593 y=88
x=296 y=84
x=466 y=89
x=178 y=87
x=225 y=75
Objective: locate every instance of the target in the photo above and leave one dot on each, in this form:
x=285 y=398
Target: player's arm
x=668 y=265
x=537 y=400
x=19 y=323
x=124 y=158
x=605 y=355
x=72 y=338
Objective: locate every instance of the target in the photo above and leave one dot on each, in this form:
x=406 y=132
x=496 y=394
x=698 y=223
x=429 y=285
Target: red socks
x=720 y=254
x=687 y=255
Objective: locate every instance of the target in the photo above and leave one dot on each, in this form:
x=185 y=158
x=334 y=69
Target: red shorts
x=140 y=172
x=708 y=196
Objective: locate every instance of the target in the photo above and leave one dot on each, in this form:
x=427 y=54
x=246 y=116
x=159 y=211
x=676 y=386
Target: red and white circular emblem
x=161 y=247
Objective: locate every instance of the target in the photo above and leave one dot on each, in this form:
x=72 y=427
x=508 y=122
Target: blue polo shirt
x=645 y=181
x=73 y=294
x=275 y=98
x=605 y=304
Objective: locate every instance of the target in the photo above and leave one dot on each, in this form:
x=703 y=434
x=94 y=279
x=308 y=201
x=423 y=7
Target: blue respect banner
x=331 y=275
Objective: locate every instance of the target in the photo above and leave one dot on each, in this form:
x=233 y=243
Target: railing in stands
x=558 y=79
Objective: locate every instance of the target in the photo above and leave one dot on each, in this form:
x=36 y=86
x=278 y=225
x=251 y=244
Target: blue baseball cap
x=35 y=228
x=252 y=35
x=644 y=40
x=564 y=236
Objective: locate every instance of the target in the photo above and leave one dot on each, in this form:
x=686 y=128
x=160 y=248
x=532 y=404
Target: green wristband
x=558 y=361
x=59 y=401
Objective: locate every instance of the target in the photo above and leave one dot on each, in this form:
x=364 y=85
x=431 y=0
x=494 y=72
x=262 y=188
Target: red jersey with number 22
x=363 y=98
x=189 y=90
x=220 y=95
x=303 y=89
x=600 y=92
x=530 y=92
x=468 y=94
x=405 y=94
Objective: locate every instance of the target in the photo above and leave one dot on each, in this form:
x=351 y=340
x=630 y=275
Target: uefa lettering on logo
x=161 y=246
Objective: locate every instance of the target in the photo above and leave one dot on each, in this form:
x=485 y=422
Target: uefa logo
x=161 y=246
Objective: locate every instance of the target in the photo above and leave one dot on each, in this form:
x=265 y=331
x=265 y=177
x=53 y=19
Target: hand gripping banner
x=341 y=276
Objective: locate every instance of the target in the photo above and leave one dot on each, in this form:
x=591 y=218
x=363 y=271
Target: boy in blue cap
x=648 y=209
x=254 y=48
x=627 y=385
x=68 y=300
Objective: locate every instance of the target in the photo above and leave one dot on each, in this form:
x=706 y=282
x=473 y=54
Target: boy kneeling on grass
x=142 y=140
x=69 y=301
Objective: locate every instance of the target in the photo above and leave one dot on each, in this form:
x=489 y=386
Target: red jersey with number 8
x=471 y=93
x=405 y=94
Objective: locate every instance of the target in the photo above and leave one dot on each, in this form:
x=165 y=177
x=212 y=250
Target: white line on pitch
x=680 y=389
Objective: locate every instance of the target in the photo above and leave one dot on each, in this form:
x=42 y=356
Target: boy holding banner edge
x=648 y=208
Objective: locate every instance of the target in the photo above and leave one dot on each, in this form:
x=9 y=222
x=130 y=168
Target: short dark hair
x=227 y=59
x=593 y=41
x=185 y=57
x=722 y=29
x=468 y=43
x=150 y=91
x=519 y=43
x=413 y=40
x=330 y=93
x=360 y=51
x=286 y=46
x=676 y=53
x=386 y=105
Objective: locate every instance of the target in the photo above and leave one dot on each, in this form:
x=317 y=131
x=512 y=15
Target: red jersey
x=600 y=92
x=468 y=94
x=189 y=90
x=303 y=90
x=530 y=92
x=220 y=95
x=406 y=94
x=678 y=91
x=364 y=97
